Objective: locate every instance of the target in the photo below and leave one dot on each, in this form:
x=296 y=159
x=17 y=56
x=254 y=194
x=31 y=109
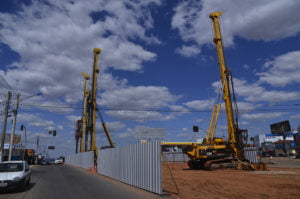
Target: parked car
x=59 y=161
x=45 y=162
x=14 y=174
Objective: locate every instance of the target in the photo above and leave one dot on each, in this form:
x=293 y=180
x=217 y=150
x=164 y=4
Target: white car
x=14 y=174
x=59 y=161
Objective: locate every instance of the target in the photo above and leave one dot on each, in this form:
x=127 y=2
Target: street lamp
x=22 y=128
x=37 y=94
x=15 y=120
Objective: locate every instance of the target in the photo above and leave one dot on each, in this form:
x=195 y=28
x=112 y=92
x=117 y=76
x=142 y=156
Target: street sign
x=149 y=133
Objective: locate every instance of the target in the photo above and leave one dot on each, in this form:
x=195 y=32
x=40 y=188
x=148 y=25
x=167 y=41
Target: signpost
x=147 y=133
x=282 y=128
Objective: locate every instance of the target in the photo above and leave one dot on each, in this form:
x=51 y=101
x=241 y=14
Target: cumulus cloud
x=297 y=116
x=73 y=117
x=261 y=116
x=140 y=97
x=256 y=93
x=111 y=126
x=55 y=39
x=143 y=132
x=200 y=104
x=139 y=103
x=139 y=116
x=188 y=51
x=36 y=121
x=254 y=20
x=283 y=70
x=245 y=106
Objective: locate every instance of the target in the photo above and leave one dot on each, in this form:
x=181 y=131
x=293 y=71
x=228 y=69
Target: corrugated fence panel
x=251 y=154
x=82 y=160
x=138 y=165
x=176 y=157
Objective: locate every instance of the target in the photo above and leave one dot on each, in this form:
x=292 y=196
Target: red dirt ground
x=283 y=182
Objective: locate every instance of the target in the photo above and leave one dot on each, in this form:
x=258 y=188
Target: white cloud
x=246 y=66
x=138 y=103
x=139 y=116
x=178 y=109
x=60 y=127
x=256 y=93
x=140 y=97
x=111 y=126
x=261 y=116
x=245 y=106
x=188 y=51
x=275 y=96
x=255 y=20
x=55 y=40
x=297 y=116
x=142 y=132
x=200 y=104
x=127 y=134
x=108 y=82
x=283 y=70
x=73 y=118
x=35 y=120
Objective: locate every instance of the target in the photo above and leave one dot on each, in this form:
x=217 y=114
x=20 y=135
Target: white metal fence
x=138 y=165
x=82 y=160
x=251 y=154
x=175 y=157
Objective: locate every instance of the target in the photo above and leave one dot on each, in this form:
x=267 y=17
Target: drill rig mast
x=216 y=153
x=235 y=135
x=86 y=127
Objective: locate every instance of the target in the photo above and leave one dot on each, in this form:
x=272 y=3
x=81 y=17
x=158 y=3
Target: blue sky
x=159 y=67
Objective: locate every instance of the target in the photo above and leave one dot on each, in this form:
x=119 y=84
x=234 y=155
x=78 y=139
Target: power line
x=157 y=110
x=4 y=82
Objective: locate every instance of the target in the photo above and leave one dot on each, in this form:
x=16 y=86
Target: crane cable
x=236 y=110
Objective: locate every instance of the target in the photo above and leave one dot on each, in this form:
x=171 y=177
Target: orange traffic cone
x=90 y=169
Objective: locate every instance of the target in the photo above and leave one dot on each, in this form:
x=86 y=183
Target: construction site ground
x=282 y=180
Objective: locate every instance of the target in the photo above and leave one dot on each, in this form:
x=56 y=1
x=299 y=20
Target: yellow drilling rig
x=86 y=126
x=216 y=153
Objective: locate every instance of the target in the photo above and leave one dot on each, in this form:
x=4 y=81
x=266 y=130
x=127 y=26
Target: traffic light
x=195 y=129
x=54 y=132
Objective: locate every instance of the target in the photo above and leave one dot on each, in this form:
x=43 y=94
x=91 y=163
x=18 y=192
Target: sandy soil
x=280 y=181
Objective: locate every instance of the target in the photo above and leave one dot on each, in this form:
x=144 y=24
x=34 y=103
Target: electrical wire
x=4 y=82
x=156 y=110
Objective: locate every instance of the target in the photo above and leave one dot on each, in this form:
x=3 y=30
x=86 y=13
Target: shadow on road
x=15 y=190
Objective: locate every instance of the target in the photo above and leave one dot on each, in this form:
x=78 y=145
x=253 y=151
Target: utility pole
x=78 y=133
x=13 y=128
x=84 y=113
x=94 y=106
x=4 y=124
x=24 y=151
x=37 y=148
x=37 y=143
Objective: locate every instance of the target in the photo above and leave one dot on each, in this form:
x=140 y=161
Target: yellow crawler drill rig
x=215 y=153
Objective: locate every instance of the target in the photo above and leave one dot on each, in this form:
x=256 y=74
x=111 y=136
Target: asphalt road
x=67 y=182
x=282 y=162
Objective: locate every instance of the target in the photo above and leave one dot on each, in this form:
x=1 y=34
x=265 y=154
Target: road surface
x=68 y=182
